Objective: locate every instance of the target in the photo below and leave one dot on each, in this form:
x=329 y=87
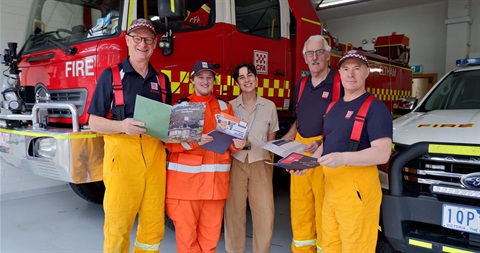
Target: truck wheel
x=384 y=247
x=91 y=192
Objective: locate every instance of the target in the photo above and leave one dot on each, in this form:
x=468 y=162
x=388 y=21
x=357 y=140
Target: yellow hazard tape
x=59 y=137
x=172 y=6
x=428 y=245
x=454 y=149
x=454 y=250
x=420 y=243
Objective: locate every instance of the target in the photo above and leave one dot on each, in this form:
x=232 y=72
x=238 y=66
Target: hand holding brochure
x=282 y=147
x=231 y=125
x=178 y=123
x=291 y=151
x=220 y=143
x=297 y=161
x=228 y=127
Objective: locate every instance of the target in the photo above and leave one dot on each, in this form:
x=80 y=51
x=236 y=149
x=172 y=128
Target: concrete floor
x=60 y=221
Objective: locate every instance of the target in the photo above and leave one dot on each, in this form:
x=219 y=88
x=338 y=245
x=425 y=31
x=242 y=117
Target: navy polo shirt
x=339 y=123
x=313 y=105
x=133 y=84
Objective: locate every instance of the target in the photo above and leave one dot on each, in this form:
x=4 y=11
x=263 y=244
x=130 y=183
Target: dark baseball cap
x=202 y=65
x=354 y=54
x=141 y=23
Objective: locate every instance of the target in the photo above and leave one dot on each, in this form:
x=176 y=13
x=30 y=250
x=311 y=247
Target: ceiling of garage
x=367 y=7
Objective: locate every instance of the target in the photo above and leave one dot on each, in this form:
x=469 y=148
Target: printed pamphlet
x=231 y=125
x=228 y=127
x=179 y=123
x=186 y=122
x=282 y=147
x=296 y=161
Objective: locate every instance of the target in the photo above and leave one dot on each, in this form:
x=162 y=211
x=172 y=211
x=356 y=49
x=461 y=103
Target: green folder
x=155 y=115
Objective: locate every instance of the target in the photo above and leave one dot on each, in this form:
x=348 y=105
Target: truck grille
x=420 y=173
x=78 y=97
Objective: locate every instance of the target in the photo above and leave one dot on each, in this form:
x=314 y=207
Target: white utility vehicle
x=431 y=186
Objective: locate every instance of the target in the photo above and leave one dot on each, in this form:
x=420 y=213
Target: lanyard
x=254 y=115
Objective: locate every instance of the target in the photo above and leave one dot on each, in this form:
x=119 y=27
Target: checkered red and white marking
x=260 y=60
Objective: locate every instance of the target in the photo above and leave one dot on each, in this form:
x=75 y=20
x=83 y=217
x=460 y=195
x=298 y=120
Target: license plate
x=461 y=218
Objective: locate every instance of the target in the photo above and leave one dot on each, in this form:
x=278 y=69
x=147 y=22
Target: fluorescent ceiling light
x=325 y=4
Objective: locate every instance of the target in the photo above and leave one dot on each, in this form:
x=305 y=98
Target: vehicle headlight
x=45 y=147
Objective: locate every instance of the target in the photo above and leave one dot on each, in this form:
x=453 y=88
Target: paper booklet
x=228 y=127
x=220 y=143
x=296 y=161
x=179 y=123
x=231 y=125
x=282 y=147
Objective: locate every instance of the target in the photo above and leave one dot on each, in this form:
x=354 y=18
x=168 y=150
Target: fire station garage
x=53 y=51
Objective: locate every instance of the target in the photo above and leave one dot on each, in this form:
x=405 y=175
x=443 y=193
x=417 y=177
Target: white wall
x=475 y=29
x=424 y=24
x=13 y=28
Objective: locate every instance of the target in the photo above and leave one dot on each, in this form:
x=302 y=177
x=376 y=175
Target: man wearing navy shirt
x=312 y=96
x=134 y=166
x=353 y=194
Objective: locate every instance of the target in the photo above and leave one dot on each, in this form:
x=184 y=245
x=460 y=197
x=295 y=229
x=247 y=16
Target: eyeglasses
x=138 y=39
x=317 y=52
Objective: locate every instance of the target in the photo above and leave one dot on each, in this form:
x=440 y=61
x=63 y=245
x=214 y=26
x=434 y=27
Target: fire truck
x=51 y=77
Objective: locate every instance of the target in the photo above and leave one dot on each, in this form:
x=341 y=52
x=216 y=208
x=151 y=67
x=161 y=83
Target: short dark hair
x=250 y=68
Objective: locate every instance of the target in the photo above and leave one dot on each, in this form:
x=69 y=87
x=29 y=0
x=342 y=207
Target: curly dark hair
x=250 y=68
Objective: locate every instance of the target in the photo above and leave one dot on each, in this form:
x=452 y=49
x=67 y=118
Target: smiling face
x=246 y=80
x=203 y=82
x=353 y=74
x=223 y=124
x=141 y=51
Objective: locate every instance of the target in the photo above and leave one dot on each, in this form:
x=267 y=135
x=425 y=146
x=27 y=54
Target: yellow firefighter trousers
x=306 y=200
x=351 y=209
x=134 y=175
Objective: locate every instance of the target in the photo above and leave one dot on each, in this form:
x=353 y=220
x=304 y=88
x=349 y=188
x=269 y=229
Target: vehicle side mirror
x=166 y=43
x=404 y=105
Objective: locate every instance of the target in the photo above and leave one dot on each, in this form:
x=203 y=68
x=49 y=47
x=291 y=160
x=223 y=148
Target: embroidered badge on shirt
x=154 y=86
x=349 y=114
x=325 y=94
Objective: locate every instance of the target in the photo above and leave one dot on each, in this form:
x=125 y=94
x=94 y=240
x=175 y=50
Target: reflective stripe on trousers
x=306 y=200
x=148 y=247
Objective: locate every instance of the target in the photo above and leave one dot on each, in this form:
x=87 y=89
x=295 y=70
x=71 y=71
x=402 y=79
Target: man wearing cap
x=198 y=179
x=353 y=194
x=134 y=163
x=311 y=98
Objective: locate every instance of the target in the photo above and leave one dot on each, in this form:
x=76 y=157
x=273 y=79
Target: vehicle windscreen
x=198 y=15
x=56 y=23
x=459 y=90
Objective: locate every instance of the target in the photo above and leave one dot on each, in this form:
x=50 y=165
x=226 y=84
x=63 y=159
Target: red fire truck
x=52 y=76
